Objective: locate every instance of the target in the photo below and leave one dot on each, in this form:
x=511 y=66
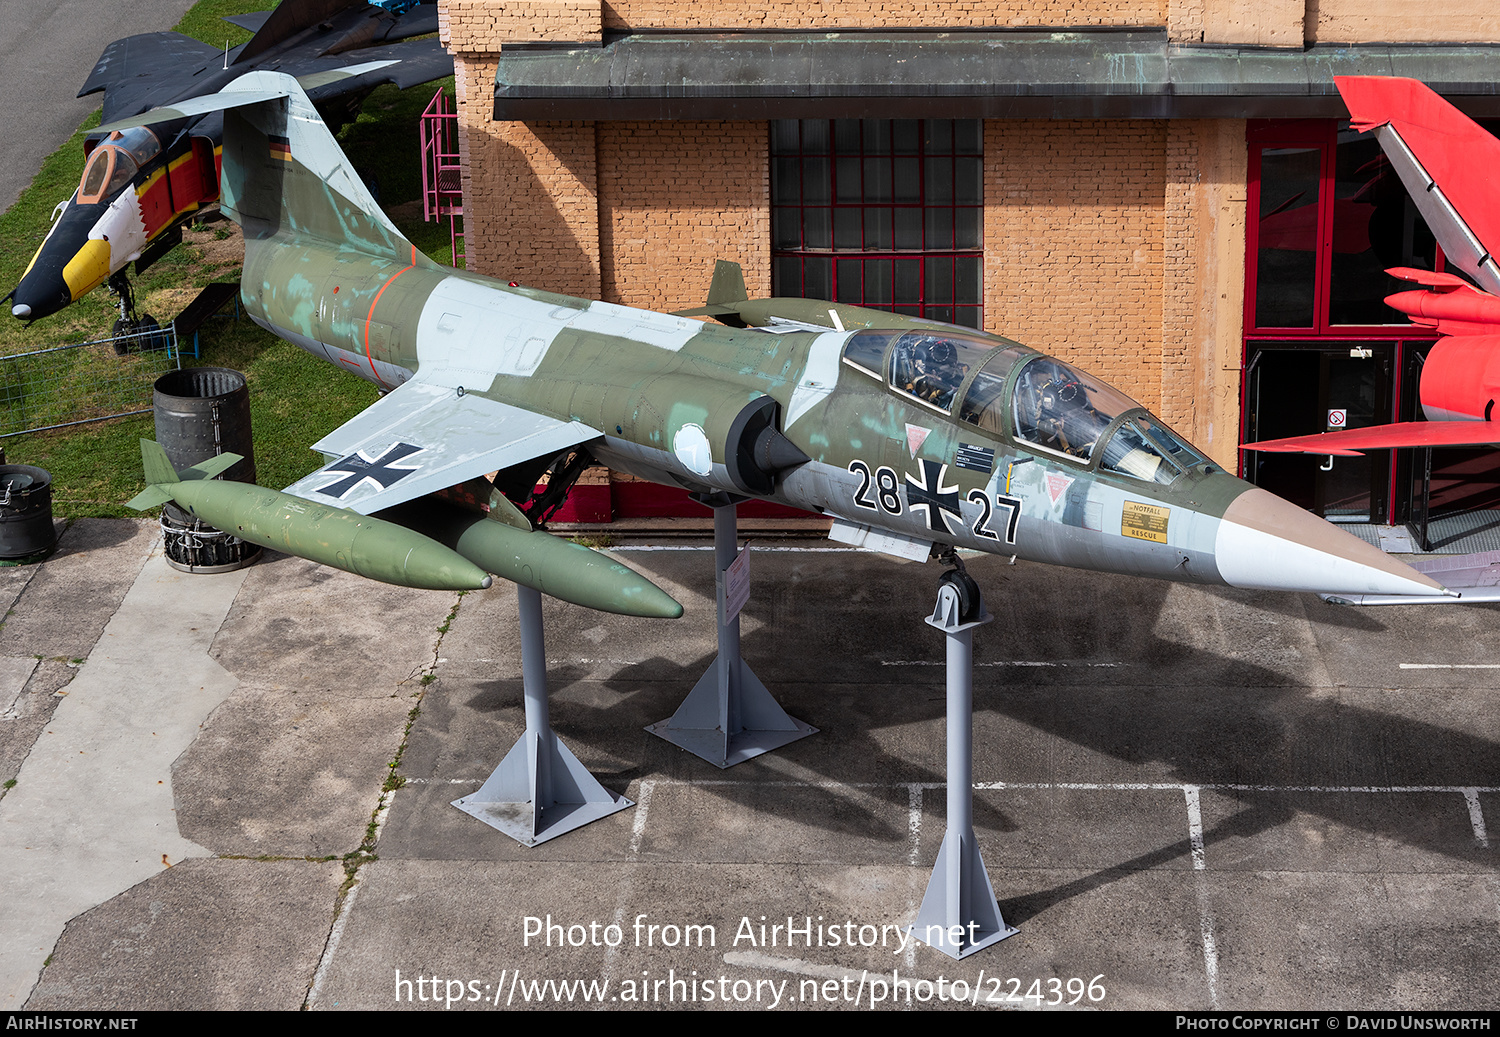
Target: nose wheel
x=133 y=332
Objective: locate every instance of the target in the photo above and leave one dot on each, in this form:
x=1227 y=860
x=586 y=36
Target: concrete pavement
x=46 y=52
x=1189 y=798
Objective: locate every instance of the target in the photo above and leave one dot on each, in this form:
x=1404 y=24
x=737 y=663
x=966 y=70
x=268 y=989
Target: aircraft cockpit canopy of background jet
x=114 y=161
x=1054 y=405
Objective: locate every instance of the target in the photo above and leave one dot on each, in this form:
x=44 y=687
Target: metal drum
x=202 y=412
x=26 y=530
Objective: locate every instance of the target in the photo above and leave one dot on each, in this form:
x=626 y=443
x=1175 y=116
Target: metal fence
x=88 y=381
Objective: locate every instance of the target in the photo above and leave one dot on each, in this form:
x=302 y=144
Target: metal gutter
x=1124 y=74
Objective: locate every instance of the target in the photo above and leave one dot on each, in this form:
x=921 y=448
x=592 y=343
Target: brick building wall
x=717 y=177
x=763 y=15
x=1073 y=230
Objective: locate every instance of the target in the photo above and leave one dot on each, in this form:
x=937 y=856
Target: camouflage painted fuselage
x=910 y=433
x=662 y=389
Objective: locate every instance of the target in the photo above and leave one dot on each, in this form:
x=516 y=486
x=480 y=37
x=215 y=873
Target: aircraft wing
x=413 y=62
x=131 y=71
x=1352 y=442
x=423 y=437
x=1474 y=578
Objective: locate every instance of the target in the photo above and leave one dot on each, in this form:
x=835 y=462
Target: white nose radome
x=1266 y=543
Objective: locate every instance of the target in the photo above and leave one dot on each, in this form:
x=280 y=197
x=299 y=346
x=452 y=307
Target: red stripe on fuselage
x=371 y=315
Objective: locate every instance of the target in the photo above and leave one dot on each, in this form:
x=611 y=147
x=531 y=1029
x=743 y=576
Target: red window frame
x=850 y=268
x=1322 y=134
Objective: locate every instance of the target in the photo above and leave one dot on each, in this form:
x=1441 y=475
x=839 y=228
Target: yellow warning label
x=1144 y=521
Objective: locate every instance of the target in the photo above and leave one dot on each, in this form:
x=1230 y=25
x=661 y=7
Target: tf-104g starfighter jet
x=916 y=437
x=140 y=185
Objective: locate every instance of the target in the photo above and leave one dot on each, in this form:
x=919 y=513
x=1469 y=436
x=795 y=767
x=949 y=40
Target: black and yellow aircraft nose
x=68 y=264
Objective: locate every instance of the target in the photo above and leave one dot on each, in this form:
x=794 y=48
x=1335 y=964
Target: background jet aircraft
x=141 y=185
x=1447 y=163
x=915 y=436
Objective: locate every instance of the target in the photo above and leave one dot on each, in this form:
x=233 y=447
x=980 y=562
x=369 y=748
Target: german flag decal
x=281 y=148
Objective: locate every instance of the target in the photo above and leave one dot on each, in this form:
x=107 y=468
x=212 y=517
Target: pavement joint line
x=914 y=820
x=336 y=933
x=1450 y=666
x=1476 y=818
x=364 y=853
x=642 y=805
x=1200 y=883
x=627 y=887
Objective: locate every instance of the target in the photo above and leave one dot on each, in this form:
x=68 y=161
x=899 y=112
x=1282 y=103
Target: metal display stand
x=959 y=913
x=729 y=716
x=540 y=790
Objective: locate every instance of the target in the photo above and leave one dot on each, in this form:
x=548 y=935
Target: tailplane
x=1446 y=161
x=160 y=475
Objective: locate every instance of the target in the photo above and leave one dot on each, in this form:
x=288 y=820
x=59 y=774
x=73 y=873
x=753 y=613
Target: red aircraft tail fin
x=1450 y=166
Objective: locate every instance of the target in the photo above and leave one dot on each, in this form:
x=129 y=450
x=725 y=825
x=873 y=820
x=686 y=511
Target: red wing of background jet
x=1449 y=165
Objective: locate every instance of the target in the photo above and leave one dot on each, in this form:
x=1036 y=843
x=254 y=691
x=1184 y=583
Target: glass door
x=1304 y=388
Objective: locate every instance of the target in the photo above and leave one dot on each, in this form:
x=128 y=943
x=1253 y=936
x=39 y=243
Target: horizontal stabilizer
x=401 y=64
x=423 y=437
x=251 y=22
x=249 y=89
x=288 y=19
x=1444 y=158
x=214 y=466
x=150 y=497
x=1471 y=578
x=1355 y=441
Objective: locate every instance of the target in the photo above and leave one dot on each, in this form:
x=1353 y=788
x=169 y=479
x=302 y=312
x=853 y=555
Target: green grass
x=294 y=399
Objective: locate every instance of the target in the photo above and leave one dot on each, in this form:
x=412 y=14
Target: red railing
x=442 y=182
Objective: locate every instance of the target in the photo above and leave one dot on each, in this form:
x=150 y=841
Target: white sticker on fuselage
x=691 y=447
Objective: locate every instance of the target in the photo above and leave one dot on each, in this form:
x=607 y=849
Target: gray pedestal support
x=540 y=790
x=959 y=913
x=729 y=716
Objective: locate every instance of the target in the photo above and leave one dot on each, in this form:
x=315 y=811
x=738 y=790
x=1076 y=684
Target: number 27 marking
x=987 y=510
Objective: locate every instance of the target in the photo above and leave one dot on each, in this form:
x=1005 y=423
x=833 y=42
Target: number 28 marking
x=885 y=484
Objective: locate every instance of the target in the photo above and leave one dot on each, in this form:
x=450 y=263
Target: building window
x=884 y=213
x=1332 y=217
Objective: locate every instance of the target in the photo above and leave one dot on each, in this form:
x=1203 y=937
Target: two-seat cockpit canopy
x=115 y=162
x=1050 y=405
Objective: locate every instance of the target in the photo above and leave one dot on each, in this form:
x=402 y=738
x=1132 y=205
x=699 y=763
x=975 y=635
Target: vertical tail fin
x=159 y=474
x=283 y=173
x=159 y=470
x=1446 y=161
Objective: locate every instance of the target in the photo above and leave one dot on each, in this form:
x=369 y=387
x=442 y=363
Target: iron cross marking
x=358 y=467
x=937 y=500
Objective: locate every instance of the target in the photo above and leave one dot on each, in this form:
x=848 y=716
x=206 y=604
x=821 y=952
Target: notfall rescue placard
x=1144 y=521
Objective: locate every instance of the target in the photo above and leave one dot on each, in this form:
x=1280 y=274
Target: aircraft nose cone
x=1265 y=543
x=39 y=296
